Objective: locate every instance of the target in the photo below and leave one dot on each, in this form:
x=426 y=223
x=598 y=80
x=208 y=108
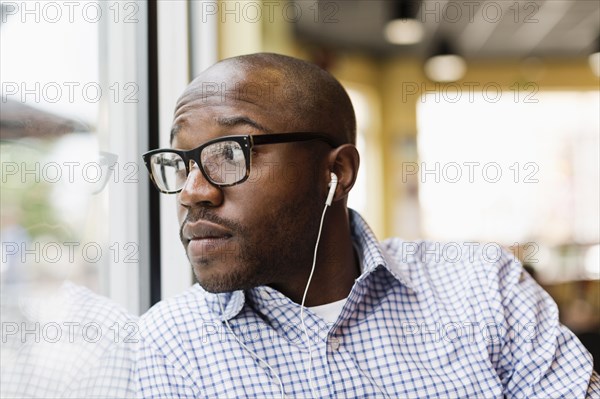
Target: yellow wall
x=241 y=32
x=359 y=73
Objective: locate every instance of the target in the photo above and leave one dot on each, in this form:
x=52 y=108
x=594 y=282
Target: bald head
x=301 y=95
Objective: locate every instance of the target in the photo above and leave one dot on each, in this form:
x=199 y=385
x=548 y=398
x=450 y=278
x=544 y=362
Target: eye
x=227 y=153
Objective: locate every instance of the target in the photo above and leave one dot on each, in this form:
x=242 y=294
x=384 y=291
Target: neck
x=337 y=264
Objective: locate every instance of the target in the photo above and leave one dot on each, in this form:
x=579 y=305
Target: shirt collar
x=372 y=255
x=225 y=306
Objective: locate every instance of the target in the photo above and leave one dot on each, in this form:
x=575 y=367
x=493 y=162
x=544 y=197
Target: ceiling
x=475 y=28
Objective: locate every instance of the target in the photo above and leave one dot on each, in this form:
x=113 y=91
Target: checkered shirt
x=422 y=320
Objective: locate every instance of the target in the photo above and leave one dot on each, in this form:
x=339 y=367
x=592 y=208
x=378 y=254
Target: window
x=70 y=145
x=73 y=123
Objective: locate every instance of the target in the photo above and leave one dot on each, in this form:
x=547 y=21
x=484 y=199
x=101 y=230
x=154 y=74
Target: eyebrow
x=174 y=130
x=235 y=121
x=232 y=121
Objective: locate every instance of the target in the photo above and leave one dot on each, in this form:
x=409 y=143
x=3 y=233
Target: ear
x=344 y=162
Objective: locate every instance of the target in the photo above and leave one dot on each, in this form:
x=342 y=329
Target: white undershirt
x=330 y=311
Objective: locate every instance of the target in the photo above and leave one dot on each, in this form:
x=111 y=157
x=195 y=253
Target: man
x=380 y=320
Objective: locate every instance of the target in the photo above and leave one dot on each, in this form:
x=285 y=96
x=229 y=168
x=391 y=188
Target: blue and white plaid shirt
x=422 y=320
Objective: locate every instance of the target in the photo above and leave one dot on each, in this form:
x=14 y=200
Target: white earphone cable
x=310 y=381
x=254 y=355
x=258 y=358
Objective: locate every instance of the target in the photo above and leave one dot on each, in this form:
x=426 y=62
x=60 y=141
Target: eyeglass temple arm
x=291 y=137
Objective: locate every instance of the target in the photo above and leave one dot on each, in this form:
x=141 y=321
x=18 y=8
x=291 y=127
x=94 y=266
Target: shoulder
x=175 y=316
x=455 y=270
x=452 y=256
x=166 y=363
x=188 y=305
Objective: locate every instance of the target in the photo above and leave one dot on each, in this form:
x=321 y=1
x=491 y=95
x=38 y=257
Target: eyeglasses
x=224 y=161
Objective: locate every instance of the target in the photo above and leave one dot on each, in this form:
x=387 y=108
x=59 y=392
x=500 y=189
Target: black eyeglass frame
x=246 y=142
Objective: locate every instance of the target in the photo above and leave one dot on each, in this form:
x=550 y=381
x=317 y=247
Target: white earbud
x=332 y=186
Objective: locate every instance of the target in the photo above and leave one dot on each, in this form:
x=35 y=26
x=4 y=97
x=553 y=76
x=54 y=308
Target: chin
x=213 y=288
x=214 y=282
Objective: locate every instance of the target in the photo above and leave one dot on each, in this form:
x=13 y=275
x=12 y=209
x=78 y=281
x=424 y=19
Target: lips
x=201 y=230
x=202 y=237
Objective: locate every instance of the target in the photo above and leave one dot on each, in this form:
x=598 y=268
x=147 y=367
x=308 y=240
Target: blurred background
x=477 y=120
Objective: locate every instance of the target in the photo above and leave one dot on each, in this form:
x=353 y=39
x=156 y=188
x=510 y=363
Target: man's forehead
x=266 y=93
x=226 y=105
x=262 y=92
x=197 y=123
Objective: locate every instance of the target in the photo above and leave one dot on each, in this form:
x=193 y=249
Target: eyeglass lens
x=223 y=162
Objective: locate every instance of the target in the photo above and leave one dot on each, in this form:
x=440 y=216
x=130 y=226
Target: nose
x=197 y=191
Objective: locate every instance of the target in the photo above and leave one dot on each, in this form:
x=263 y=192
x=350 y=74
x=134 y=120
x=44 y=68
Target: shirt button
x=335 y=344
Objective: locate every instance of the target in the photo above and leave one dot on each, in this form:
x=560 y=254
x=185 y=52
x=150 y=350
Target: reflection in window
x=59 y=338
x=50 y=158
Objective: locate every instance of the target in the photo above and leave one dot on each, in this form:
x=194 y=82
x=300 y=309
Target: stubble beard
x=282 y=249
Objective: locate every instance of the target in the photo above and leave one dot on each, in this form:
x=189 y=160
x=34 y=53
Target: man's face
x=262 y=231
